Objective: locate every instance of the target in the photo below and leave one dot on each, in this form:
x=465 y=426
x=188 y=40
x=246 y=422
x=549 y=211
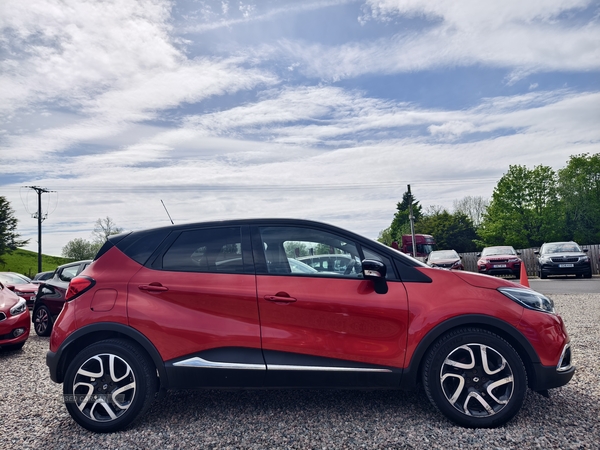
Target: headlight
x=529 y=299
x=19 y=308
x=584 y=259
x=545 y=260
x=513 y=260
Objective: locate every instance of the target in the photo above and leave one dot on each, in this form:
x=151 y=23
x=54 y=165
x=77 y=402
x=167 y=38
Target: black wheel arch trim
x=505 y=330
x=56 y=362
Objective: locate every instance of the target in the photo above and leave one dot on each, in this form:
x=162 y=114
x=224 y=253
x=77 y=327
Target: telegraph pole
x=39 y=218
x=412 y=222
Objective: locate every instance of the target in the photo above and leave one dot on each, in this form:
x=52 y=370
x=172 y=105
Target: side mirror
x=375 y=271
x=536 y=252
x=478 y=255
x=518 y=253
x=585 y=250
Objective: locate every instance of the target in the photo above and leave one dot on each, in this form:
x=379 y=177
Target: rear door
x=197 y=304
x=326 y=328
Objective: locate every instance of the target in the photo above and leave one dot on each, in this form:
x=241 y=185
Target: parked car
x=21 y=285
x=500 y=260
x=50 y=298
x=447 y=259
x=563 y=258
x=327 y=262
x=158 y=310
x=42 y=276
x=14 y=319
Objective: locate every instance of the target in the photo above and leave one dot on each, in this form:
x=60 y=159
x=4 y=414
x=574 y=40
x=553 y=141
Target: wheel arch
x=509 y=333
x=100 y=331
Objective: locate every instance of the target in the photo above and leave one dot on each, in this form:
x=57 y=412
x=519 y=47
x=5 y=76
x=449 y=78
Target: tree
x=473 y=207
x=579 y=189
x=80 y=249
x=9 y=238
x=451 y=231
x=104 y=228
x=401 y=222
x=524 y=211
x=83 y=249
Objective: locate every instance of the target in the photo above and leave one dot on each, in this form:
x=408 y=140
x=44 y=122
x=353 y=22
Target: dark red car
x=14 y=319
x=500 y=260
x=217 y=305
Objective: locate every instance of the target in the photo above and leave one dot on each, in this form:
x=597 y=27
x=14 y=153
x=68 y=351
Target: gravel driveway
x=32 y=415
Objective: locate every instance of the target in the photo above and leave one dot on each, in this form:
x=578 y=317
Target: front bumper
x=555 y=269
x=9 y=325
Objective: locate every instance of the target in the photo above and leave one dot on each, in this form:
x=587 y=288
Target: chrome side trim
x=204 y=364
x=324 y=368
x=562 y=356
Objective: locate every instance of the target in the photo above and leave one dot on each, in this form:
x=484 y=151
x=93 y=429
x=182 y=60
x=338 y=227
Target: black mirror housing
x=375 y=271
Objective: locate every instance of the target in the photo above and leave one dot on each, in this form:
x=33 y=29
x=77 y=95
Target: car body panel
x=334 y=318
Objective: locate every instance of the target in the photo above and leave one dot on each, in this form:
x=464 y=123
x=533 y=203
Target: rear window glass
x=206 y=250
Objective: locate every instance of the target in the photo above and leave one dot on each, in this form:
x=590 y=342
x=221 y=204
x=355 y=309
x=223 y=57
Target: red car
x=14 y=320
x=21 y=285
x=218 y=305
x=501 y=260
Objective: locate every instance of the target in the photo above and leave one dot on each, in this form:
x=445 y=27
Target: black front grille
x=570 y=259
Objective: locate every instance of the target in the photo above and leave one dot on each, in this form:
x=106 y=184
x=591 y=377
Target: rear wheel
x=109 y=384
x=475 y=378
x=42 y=321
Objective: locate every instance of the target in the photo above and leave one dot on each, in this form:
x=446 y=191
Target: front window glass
x=304 y=251
x=443 y=254
x=206 y=250
x=491 y=251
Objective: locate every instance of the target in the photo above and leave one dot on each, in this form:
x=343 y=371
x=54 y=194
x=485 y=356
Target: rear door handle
x=281 y=297
x=153 y=287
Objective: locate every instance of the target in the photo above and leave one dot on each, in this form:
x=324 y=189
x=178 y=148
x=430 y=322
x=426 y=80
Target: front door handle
x=153 y=287
x=280 y=297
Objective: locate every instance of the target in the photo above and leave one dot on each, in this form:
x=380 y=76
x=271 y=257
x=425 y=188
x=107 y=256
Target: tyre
x=42 y=321
x=587 y=274
x=475 y=378
x=109 y=384
x=543 y=276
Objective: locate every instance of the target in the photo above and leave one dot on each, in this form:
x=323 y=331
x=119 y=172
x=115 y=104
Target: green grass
x=26 y=262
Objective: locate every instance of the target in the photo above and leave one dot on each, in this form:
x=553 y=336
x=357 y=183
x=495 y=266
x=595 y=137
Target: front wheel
x=475 y=378
x=109 y=384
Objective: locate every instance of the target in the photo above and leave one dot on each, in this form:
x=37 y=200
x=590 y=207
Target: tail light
x=78 y=286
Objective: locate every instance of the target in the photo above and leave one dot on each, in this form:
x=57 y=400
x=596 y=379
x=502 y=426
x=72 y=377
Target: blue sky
x=312 y=109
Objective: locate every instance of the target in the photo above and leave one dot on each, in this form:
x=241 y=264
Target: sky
x=316 y=109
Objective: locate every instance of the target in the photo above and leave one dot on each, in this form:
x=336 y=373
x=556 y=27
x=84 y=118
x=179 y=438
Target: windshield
x=564 y=247
x=443 y=254
x=13 y=278
x=491 y=251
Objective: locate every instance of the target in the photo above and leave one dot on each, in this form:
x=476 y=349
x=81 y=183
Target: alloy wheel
x=104 y=387
x=477 y=380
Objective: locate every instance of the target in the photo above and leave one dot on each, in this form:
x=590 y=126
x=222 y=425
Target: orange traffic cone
x=523 y=275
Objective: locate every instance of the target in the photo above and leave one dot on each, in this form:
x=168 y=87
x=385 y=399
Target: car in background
x=499 y=260
x=42 y=276
x=164 y=309
x=563 y=258
x=50 y=298
x=15 y=321
x=338 y=263
x=21 y=285
x=446 y=259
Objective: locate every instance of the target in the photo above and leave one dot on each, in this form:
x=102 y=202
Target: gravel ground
x=32 y=415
